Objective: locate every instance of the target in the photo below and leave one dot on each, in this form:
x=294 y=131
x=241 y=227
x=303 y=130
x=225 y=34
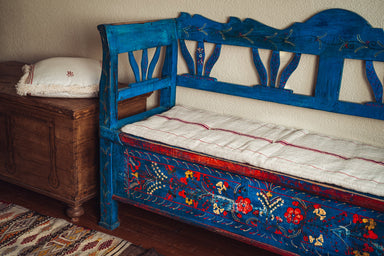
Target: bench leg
x=108 y=206
x=74 y=212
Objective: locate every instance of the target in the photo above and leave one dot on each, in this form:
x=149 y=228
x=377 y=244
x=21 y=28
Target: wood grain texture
x=50 y=145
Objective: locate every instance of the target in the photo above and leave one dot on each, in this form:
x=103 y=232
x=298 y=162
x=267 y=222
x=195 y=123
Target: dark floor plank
x=141 y=227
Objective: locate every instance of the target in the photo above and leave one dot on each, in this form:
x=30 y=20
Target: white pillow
x=63 y=77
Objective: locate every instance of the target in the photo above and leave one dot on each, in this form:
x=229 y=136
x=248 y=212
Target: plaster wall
x=38 y=29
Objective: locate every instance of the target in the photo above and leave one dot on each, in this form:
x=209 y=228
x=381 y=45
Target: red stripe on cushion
x=271 y=141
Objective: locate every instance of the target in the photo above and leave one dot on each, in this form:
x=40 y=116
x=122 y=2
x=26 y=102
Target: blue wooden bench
x=286 y=214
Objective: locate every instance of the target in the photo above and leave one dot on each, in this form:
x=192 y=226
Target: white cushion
x=63 y=77
x=295 y=152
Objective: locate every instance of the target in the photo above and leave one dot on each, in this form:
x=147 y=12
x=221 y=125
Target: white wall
x=31 y=30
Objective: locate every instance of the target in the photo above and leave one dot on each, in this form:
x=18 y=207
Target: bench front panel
x=249 y=209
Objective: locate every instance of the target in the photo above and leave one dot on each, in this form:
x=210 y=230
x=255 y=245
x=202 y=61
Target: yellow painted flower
x=188 y=201
x=217 y=209
x=317 y=241
x=320 y=212
x=188 y=174
x=371 y=224
x=221 y=186
x=357 y=253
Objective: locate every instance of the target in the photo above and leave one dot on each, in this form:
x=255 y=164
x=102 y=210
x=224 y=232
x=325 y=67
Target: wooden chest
x=50 y=145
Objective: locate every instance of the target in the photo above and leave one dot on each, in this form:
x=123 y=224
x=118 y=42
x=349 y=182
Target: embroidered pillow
x=63 y=77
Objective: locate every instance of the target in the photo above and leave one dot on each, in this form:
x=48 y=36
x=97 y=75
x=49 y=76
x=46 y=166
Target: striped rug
x=25 y=232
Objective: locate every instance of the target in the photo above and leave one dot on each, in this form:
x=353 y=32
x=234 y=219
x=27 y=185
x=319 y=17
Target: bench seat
x=295 y=152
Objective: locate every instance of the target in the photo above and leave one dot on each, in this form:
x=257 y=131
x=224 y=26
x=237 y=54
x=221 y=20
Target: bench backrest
x=333 y=35
x=129 y=38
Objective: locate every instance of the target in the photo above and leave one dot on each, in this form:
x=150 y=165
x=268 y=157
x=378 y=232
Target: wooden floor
x=149 y=230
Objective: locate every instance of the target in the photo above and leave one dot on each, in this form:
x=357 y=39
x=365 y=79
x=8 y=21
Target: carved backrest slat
x=134 y=66
x=274 y=68
x=187 y=57
x=154 y=62
x=376 y=85
x=144 y=64
x=200 y=56
x=212 y=60
x=262 y=72
x=289 y=69
x=329 y=76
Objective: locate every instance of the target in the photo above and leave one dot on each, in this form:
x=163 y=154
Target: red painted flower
x=357 y=218
x=196 y=175
x=367 y=248
x=371 y=235
x=278 y=231
x=243 y=205
x=293 y=215
x=170 y=183
x=279 y=219
x=182 y=194
x=184 y=180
